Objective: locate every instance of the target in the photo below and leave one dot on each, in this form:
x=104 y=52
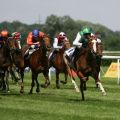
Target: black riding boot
x=26 y=56
x=53 y=55
x=75 y=54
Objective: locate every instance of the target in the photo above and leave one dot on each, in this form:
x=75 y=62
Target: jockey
x=17 y=36
x=80 y=40
x=4 y=34
x=58 y=43
x=33 y=41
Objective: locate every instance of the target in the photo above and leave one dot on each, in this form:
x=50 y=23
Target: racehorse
x=58 y=63
x=5 y=63
x=86 y=65
x=38 y=62
x=17 y=60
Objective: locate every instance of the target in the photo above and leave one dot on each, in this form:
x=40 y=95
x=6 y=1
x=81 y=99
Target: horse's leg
x=95 y=76
x=82 y=83
x=81 y=89
x=69 y=70
x=57 y=80
x=66 y=76
x=3 y=81
x=47 y=81
x=22 y=83
x=33 y=82
x=14 y=78
x=49 y=74
x=37 y=83
x=7 y=81
x=73 y=80
x=75 y=84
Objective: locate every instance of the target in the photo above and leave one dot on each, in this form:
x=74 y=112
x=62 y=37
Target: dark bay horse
x=38 y=62
x=58 y=63
x=5 y=63
x=86 y=65
x=17 y=60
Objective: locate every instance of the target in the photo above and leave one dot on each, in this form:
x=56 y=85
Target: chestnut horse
x=17 y=60
x=58 y=63
x=38 y=62
x=86 y=64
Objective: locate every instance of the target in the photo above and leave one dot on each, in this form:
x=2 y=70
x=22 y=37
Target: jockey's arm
x=29 y=39
x=55 y=44
x=19 y=45
x=76 y=42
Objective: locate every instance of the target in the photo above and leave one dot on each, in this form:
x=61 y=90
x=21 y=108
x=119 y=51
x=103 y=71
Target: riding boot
x=53 y=54
x=74 y=54
x=26 y=56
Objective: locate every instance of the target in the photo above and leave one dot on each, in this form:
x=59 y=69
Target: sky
x=104 y=12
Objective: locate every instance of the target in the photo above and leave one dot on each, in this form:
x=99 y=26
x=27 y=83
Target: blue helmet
x=35 y=33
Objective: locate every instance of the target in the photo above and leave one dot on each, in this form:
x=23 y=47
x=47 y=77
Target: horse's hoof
x=77 y=90
x=63 y=82
x=58 y=87
x=104 y=93
x=21 y=91
x=37 y=90
x=30 y=92
x=45 y=85
x=8 y=91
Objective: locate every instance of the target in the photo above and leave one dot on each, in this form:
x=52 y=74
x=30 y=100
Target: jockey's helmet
x=4 y=33
x=81 y=33
x=35 y=33
x=16 y=35
x=87 y=31
x=62 y=35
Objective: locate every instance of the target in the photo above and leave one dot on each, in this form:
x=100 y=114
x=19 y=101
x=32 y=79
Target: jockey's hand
x=84 y=45
x=36 y=43
x=78 y=46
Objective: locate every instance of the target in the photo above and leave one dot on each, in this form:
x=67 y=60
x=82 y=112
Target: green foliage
x=55 y=24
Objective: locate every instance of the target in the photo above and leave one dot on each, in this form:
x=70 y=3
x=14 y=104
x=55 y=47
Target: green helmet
x=81 y=33
x=87 y=30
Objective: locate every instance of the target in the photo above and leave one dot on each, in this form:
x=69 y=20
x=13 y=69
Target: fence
x=118 y=65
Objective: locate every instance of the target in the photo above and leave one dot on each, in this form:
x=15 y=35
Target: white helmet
x=62 y=35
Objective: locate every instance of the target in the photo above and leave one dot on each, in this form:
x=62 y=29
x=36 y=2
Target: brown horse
x=17 y=60
x=87 y=65
x=58 y=63
x=38 y=62
x=5 y=63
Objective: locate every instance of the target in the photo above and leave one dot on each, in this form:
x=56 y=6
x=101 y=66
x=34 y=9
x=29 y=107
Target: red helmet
x=62 y=35
x=16 y=35
x=4 y=33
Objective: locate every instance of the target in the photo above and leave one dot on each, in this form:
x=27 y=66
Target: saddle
x=29 y=52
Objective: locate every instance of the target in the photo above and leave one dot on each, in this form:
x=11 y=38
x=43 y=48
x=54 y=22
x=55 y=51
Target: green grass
x=61 y=104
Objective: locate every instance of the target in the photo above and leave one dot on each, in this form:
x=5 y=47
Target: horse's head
x=95 y=46
x=46 y=42
x=12 y=43
x=66 y=45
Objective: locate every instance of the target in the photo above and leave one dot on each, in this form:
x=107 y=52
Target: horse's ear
x=48 y=35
